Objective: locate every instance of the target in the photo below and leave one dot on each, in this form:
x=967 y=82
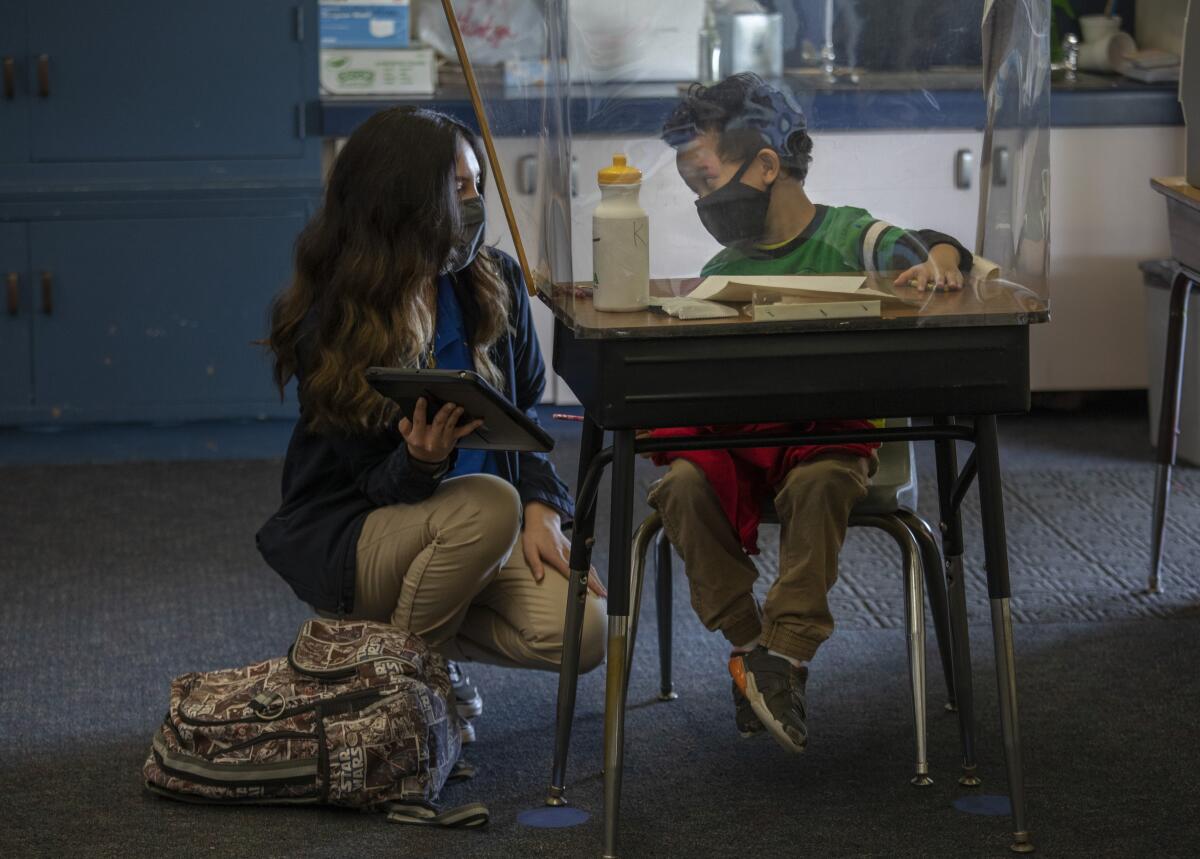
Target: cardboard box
x=409 y=71
x=365 y=24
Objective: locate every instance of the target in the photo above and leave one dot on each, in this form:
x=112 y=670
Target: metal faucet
x=828 y=55
x=1070 y=63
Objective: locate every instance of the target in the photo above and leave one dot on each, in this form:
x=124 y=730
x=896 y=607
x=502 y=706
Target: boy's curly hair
x=747 y=114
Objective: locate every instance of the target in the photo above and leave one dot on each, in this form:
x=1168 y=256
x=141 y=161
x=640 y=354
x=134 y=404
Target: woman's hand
x=545 y=545
x=939 y=272
x=434 y=440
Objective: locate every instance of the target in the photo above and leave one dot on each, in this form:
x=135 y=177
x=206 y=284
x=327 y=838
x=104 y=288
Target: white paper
x=827 y=287
x=690 y=308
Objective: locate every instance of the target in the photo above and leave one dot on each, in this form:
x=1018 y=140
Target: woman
x=382 y=517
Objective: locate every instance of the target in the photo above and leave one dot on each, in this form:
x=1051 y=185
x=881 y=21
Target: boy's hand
x=939 y=272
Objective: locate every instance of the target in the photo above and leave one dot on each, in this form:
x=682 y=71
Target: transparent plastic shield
x=883 y=165
x=1014 y=223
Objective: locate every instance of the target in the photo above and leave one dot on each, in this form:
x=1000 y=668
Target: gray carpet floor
x=118 y=577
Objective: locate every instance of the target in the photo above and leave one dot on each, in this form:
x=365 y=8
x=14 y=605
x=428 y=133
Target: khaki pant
x=814 y=504
x=451 y=569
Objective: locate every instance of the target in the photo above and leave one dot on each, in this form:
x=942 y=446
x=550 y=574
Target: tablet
x=505 y=427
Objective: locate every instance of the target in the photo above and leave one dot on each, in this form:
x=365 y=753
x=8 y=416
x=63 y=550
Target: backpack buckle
x=269 y=705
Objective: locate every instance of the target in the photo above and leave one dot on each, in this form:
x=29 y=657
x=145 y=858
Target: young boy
x=743 y=148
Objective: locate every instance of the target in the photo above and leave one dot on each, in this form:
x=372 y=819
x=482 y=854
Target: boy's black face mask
x=470 y=239
x=735 y=213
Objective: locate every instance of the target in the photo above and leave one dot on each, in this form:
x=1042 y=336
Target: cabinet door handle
x=14 y=293
x=964 y=167
x=47 y=293
x=527 y=174
x=43 y=75
x=10 y=78
x=1000 y=167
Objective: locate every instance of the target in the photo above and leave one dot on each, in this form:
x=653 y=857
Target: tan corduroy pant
x=452 y=569
x=814 y=503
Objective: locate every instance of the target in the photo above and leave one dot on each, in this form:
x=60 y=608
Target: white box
x=367 y=71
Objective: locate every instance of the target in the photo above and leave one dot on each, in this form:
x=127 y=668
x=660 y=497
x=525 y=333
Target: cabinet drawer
x=143 y=319
x=16 y=309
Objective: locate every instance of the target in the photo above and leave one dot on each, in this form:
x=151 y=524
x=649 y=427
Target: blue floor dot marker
x=991 y=805
x=553 y=817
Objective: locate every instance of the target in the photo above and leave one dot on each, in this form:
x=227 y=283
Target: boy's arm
x=924 y=257
x=945 y=266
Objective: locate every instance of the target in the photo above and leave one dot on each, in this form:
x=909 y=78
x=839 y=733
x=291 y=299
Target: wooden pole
x=485 y=130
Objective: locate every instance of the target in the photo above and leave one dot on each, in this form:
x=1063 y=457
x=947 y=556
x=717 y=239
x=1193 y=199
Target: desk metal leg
x=580 y=562
x=952 y=547
x=991 y=504
x=1168 y=419
x=616 y=685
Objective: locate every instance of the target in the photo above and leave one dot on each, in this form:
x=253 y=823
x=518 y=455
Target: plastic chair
x=890 y=506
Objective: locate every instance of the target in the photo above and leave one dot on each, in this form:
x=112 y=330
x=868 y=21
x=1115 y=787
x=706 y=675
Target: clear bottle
x=620 y=241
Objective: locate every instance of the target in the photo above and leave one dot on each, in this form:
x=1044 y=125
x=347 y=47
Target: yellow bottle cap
x=620 y=173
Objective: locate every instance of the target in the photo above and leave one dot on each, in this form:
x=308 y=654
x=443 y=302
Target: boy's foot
x=775 y=689
x=466 y=696
x=748 y=724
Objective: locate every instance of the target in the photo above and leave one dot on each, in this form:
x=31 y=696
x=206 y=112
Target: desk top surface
x=1177 y=188
x=982 y=302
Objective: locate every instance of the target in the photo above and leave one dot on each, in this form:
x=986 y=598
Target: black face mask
x=735 y=213
x=470 y=238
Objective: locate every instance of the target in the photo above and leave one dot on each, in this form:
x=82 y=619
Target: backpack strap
x=462 y=770
x=425 y=814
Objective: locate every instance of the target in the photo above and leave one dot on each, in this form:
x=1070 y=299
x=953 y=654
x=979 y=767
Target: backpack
x=358 y=714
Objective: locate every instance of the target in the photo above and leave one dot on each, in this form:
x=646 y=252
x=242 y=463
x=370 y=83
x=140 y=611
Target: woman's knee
x=595 y=634
x=487 y=507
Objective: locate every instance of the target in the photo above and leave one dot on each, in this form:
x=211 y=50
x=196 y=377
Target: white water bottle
x=620 y=241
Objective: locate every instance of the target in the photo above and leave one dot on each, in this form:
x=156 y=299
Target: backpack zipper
x=321 y=707
x=348 y=671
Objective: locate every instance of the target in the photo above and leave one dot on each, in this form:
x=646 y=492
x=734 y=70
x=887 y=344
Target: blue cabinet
x=14 y=90
x=138 y=80
x=16 y=392
x=156 y=317
x=156 y=166
x=136 y=91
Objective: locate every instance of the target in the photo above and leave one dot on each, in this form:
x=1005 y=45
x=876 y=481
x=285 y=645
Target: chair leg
x=642 y=539
x=935 y=593
x=914 y=617
x=663 y=597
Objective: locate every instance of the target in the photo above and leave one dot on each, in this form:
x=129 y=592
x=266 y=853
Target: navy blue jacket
x=332 y=481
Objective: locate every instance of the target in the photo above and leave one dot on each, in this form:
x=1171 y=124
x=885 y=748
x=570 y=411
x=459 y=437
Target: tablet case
x=505 y=427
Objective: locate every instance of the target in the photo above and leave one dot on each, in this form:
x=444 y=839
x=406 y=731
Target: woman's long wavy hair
x=366 y=269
